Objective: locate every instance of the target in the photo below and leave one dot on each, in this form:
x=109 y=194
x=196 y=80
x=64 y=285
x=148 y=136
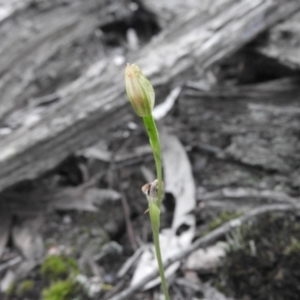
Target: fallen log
x=256 y=125
x=33 y=33
x=165 y=11
x=283 y=43
x=81 y=117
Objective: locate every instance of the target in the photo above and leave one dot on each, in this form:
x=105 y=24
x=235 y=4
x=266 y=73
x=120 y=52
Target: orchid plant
x=142 y=97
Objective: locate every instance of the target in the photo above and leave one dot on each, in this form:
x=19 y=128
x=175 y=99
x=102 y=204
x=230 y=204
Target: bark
x=256 y=125
x=41 y=44
x=166 y=11
x=96 y=101
x=283 y=43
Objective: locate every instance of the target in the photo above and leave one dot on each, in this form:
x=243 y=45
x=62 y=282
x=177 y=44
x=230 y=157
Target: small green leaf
x=155 y=216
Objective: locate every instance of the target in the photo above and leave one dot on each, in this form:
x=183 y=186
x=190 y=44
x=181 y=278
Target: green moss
x=267 y=267
x=224 y=217
x=293 y=247
x=48 y=245
x=61 y=290
x=73 y=264
x=58 y=267
x=11 y=289
x=220 y=286
x=25 y=287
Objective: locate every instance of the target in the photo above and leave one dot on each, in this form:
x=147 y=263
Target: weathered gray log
x=166 y=11
x=84 y=115
x=33 y=33
x=283 y=43
x=256 y=125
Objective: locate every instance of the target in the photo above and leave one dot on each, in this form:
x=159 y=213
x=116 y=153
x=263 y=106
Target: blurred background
x=74 y=156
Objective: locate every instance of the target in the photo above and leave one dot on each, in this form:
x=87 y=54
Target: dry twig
x=209 y=239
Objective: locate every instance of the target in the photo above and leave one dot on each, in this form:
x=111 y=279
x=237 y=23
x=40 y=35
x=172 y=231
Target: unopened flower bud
x=139 y=91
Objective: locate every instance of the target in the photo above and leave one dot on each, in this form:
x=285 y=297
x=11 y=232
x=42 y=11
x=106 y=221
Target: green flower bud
x=139 y=91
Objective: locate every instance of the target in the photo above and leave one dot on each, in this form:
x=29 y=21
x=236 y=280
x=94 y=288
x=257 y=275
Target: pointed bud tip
x=139 y=90
x=128 y=72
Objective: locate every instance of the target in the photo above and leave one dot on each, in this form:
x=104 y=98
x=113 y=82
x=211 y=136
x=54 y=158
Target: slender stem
x=155 y=145
x=159 y=258
x=154 y=207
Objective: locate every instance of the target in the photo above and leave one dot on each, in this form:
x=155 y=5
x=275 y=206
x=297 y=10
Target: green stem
x=155 y=145
x=154 y=206
x=155 y=216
